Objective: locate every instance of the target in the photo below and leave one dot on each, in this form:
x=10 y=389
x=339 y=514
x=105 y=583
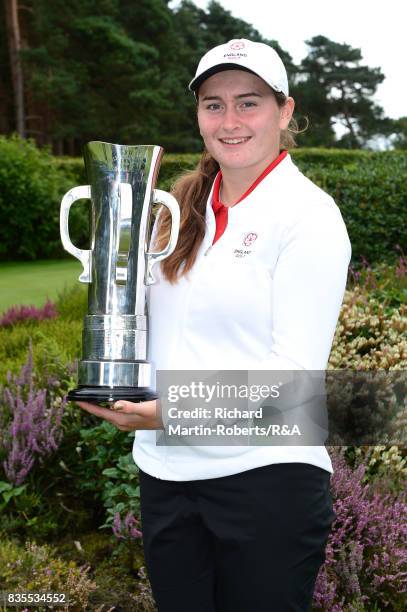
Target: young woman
x=256 y=283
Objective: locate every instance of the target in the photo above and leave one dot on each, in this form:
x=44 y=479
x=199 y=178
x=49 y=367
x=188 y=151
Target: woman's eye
x=213 y=106
x=248 y=104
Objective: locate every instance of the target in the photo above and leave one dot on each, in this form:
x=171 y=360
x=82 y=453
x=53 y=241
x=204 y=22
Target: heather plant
x=385 y=467
x=30 y=420
x=128 y=535
x=144 y=601
x=371 y=333
x=367 y=337
x=401 y=264
x=371 y=340
x=91 y=480
x=367 y=407
x=17 y=314
x=59 y=339
x=387 y=284
x=366 y=554
x=117 y=567
x=37 y=568
x=39 y=434
x=127 y=528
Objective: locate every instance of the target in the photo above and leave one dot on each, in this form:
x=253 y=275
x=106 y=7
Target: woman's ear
x=286 y=112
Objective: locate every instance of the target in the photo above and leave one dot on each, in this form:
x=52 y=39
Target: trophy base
x=107 y=396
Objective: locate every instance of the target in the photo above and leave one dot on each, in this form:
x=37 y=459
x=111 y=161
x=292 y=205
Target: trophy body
x=118 y=267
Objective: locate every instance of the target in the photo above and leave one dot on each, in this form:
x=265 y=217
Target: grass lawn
x=32 y=282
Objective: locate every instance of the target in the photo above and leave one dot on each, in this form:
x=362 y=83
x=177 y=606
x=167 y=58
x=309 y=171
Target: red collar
x=216 y=204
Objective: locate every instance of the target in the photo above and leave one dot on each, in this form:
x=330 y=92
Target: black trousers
x=250 y=542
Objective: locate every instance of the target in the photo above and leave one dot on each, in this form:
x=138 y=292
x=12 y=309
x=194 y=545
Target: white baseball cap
x=243 y=54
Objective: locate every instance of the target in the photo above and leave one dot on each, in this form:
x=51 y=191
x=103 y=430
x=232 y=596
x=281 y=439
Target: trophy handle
x=162 y=197
x=76 y=193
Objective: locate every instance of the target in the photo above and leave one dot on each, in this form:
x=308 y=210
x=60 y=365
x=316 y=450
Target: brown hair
x=191 y=190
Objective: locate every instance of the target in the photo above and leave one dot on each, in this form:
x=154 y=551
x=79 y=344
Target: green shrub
x=56 y=341
x=371 y=194
x=72 y=169
x=333 y=157
x=121 y=493
x=72 y=303
x=99 y=447
x=31 y=189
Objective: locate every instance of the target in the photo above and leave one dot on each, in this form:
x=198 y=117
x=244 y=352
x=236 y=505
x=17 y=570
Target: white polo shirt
x=265 y=296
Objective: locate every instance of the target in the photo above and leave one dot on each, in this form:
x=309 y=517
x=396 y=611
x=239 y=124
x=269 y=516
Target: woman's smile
x=233 y=142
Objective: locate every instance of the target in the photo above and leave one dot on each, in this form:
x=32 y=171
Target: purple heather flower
x=366 y=554
x=401 y=267
x=30 y=422
x=127 y=529
x=117 y=526
x=16 y=314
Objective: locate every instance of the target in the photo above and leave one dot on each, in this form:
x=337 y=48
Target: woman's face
x=240 y=121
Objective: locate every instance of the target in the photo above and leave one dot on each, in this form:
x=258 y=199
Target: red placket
x=221 y=211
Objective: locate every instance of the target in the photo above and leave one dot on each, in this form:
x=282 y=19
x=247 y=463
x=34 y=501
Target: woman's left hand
x=128 y=416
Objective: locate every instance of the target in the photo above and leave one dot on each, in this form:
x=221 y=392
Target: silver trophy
x=117 y=268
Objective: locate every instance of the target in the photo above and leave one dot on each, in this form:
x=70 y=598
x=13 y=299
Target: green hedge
x=31 y=189
x=369 y=187
x=371 y=192
x=174 y=164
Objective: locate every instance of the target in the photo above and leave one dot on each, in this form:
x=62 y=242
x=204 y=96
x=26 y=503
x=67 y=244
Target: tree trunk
x=14 y=44
x=350 y=127
x=348 y=122
x=71 y=147
x=5 y=127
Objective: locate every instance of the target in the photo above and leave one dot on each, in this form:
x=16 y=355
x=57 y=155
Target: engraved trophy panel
x=117 y=268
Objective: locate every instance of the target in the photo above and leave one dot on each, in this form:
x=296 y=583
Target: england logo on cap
x=236 y=46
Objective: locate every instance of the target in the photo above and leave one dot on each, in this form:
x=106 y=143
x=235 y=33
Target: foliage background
x=369 y=188
x=118 y=71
